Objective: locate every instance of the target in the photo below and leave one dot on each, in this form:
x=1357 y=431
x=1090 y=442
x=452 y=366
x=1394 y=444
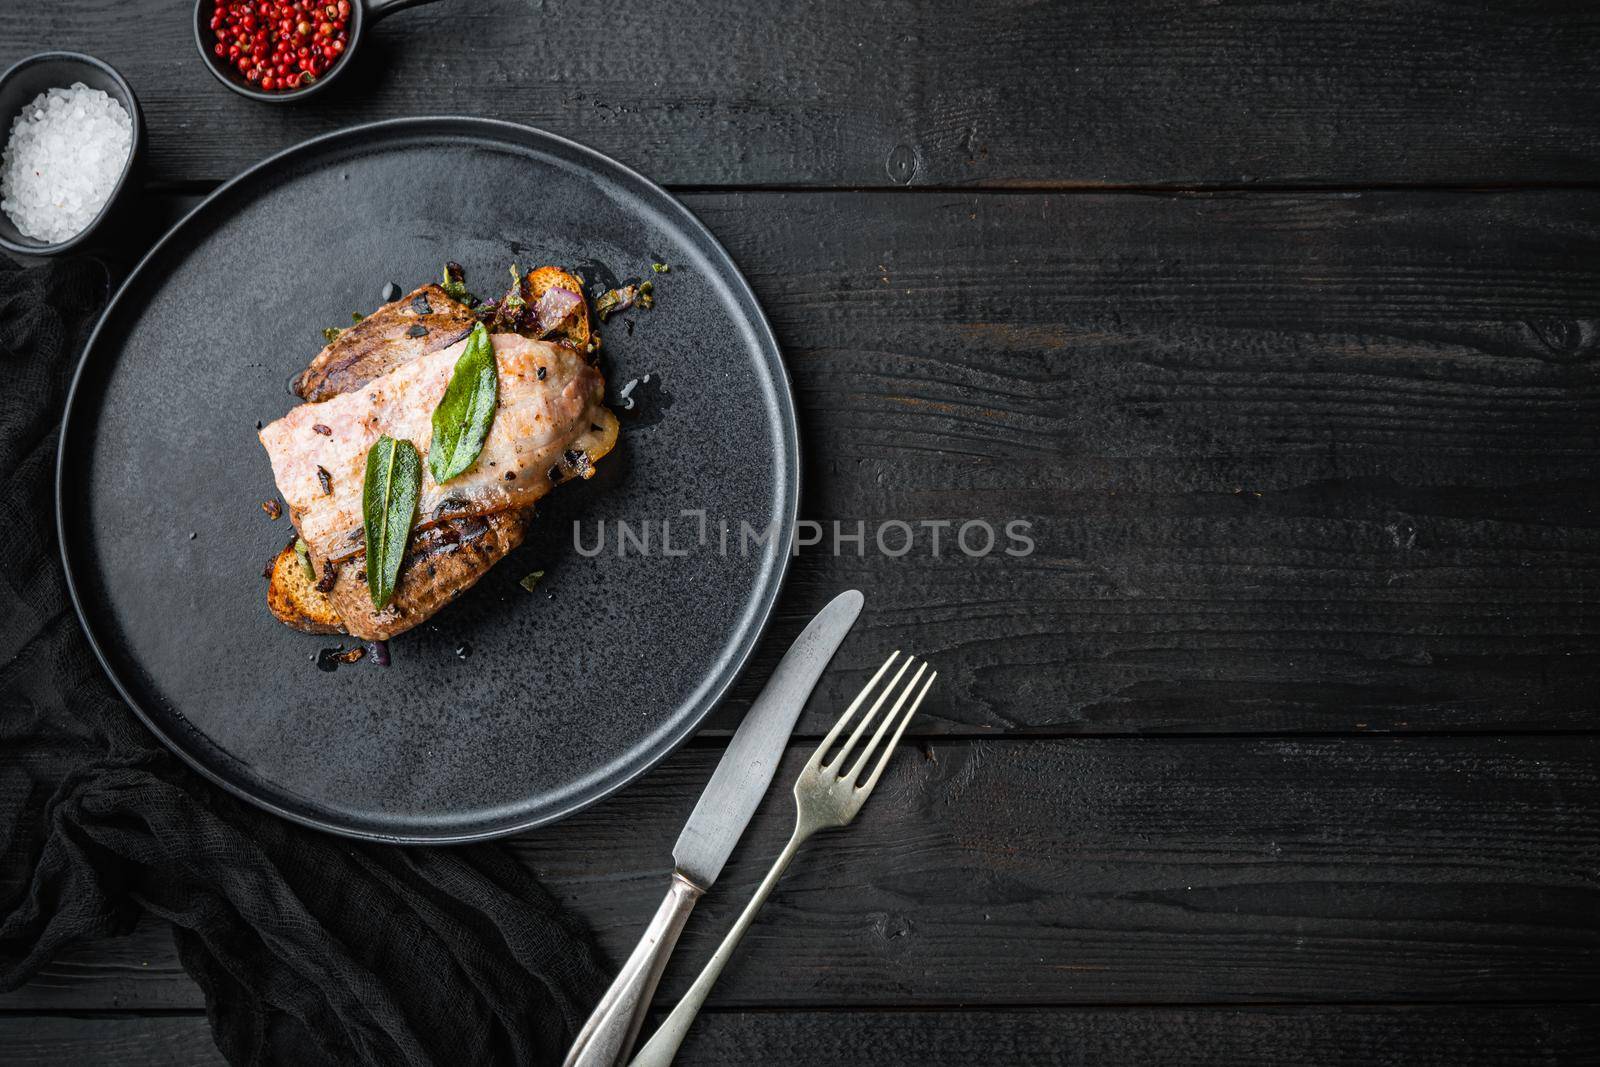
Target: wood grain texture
x=136 y=972
x=924 y=93
x=1257 y=1037
x=1292 y=462
x=1225 y=1037
x=1102 y=871
x=108 y=1041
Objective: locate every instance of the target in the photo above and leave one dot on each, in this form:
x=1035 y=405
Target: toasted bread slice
x=293 y=596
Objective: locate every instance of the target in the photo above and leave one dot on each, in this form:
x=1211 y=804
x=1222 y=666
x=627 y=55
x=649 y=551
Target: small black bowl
x=57 y=70
x=362 y=14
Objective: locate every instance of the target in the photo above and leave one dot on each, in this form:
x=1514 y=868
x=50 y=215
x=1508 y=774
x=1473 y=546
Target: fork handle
x=663 y=1045
x=608 y=1036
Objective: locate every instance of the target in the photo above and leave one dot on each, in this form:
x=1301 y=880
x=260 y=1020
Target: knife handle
x=608 y=1036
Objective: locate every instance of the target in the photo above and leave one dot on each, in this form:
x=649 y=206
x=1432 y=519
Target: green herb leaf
x=660 y=268
x=455 y=284
x=466 y=411
x=331 y=333
x=356 y=316
x=388 y=504
x=530 y=582
x=302 y=552
x=514 y=301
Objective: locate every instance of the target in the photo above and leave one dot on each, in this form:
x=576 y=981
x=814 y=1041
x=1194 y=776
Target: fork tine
x=838 y=727
x=888 y=721
x=866 y=720
x=885 y=723
x=877 y=772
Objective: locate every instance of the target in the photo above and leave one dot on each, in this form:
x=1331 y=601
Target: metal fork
x=823 y=797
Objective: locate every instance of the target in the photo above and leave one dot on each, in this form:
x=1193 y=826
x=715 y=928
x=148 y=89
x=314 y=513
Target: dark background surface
x=1281 y=326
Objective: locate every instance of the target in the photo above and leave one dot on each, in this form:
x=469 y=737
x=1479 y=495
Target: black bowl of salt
x=71 y=137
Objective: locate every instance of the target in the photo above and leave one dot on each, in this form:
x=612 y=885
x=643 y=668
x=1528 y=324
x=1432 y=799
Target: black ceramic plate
x=508 y=709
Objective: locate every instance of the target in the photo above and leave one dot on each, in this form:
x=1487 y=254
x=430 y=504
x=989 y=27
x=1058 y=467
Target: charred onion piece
x=616 y=300
x=555 y=308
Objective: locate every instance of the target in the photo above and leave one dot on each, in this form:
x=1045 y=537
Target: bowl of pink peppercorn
x=282 y=51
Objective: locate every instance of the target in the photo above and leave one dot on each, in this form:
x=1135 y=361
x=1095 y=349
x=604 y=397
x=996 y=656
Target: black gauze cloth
x=309 y=948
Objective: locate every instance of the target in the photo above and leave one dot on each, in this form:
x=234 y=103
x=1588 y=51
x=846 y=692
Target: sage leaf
x=388 y=503
x=455 y=284
x=462 y=419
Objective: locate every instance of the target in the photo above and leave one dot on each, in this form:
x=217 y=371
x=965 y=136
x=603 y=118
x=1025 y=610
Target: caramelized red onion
x=555 y=307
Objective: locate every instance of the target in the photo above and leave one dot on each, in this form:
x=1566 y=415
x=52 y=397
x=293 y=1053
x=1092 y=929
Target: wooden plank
x=1292 y=462
x=1224 y=1037
x=108 y=1041
x=918 y=92
x=1434 y=1036
x=137 y=972
x=1105 y=871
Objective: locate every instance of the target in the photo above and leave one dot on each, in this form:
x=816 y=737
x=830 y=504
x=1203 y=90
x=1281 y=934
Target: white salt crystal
x=66 y=151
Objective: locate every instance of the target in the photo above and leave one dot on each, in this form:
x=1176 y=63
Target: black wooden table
x=1280 y=326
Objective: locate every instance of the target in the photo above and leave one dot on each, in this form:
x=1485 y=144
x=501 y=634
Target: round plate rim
x=521 y=135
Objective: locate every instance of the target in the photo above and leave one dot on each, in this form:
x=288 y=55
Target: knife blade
x=746 y=768
x=719 y=817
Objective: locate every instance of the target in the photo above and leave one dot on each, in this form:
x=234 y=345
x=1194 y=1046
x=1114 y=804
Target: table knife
x=729 y=799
